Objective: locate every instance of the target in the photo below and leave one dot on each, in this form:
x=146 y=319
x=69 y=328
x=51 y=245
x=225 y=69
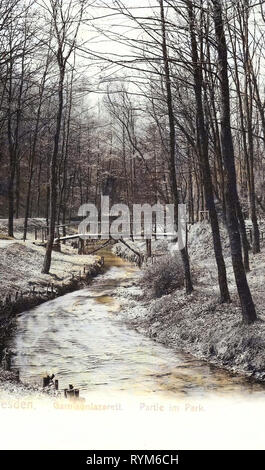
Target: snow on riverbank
x=21 y=263
x=20 y=271
x=33 y=223
x=159 y=247
x=10 y=387
x=198 y=323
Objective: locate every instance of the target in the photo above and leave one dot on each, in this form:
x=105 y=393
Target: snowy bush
x=164 y=276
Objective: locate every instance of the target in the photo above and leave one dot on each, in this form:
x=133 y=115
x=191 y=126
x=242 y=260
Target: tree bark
x=247 y=305
x=172 y=156
x=204 y=160
x=53 y=178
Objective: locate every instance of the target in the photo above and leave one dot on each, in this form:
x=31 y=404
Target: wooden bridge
x=90 y=243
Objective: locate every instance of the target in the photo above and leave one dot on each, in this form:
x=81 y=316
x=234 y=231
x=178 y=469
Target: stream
x=81 y=338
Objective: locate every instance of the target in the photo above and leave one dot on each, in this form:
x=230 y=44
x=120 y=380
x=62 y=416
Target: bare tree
x=247 y=305
x=204 y=158
x=65 y=27
x=172 y=159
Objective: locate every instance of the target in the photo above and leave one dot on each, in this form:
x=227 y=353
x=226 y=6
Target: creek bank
x=11 y=390
x=30 y=299
x=9 y=383
x=199 y=324
x=159 y=247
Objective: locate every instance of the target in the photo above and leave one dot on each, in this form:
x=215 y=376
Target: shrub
x=164 y=276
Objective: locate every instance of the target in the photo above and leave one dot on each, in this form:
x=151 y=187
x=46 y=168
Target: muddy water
x=80 y=338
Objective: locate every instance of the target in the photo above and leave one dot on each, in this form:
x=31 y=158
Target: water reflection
x=81 y=339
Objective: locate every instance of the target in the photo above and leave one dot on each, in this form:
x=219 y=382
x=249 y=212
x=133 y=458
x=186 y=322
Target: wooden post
x=56 y=384
x=45 y=381
x=81 y=246
x=149 y=248
x=70 y=392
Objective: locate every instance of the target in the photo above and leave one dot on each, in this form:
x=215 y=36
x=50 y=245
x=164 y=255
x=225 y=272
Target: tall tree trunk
x=12 y=161
x=17 y=190
x=247 y=305
x=249 y=115
x=11 y=197
x=240 y=216
x=33 y=153
x=53 y=178
x=172 y=153
x=204 y=160
x=39 y=189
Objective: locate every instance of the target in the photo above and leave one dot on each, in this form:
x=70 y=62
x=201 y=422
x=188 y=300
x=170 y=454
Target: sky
x=98 y=42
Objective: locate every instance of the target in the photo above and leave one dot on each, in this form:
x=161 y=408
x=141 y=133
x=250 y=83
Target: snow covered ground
x=159 y=247
x=198 y=323
x=19 y=226
x=9 y=387
x=21 y=262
